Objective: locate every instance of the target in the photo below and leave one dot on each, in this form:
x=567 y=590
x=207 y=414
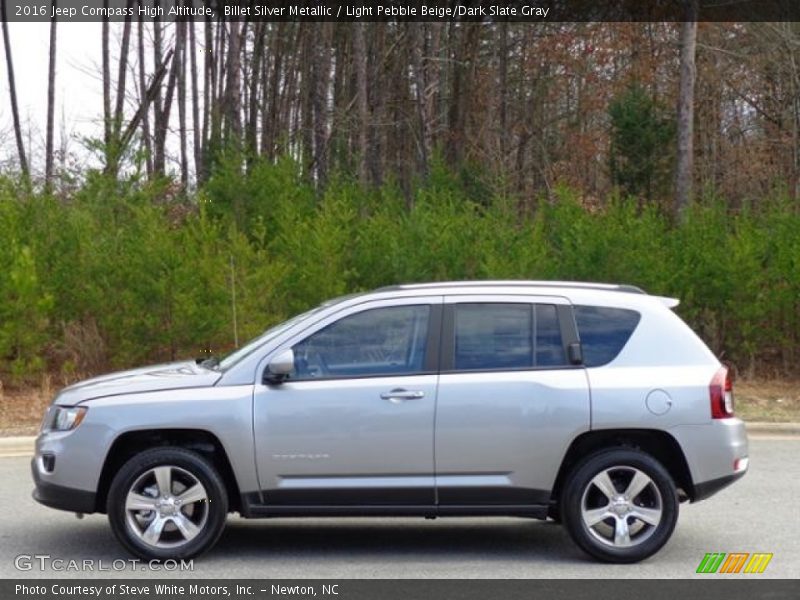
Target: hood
x=170 y=376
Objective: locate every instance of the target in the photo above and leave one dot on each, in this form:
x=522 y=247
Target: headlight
x=63 y=418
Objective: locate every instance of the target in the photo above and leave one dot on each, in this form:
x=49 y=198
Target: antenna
x=233 y=304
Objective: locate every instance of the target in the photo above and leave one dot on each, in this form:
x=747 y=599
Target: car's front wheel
x=167 y=503
x=620 y=505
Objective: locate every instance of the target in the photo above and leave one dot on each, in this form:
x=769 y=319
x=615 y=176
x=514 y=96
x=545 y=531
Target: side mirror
x=280 y=367
x=575 y=353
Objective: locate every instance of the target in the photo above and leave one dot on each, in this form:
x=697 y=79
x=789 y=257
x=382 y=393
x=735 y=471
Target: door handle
x=400 y=395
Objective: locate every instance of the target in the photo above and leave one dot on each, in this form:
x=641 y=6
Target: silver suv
x=590 y=404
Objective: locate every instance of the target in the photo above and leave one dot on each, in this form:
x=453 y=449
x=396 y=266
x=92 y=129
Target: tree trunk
x=181 y=58
x=216 y=98
x=465 y=46
x=306 y=108
x=122 y=72
x=271 y=119
x=233 y=99
x=321 y=71
x=420 y=90
x=434 y=77
x=340 y=95
x=113 y=150
x=51 y=93
x=378 y=103
x=208 y=98
x=360 y=56
x=256 y=77
x=688 y=72
x=148 y=146
x=196 y=139
x=232 y=107
x=162 y=115
x=106 y=60
x=502 y=65
x=12 y=90
x=158 y=116
x=149 y=96
x=287 y=123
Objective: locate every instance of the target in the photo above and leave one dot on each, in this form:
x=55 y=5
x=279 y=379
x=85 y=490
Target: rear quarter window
x=604 y=331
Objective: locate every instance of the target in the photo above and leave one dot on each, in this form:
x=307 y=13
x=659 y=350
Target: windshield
x=237 y=355
x=231 y=359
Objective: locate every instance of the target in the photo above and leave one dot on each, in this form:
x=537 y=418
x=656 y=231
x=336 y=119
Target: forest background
x=250 y=170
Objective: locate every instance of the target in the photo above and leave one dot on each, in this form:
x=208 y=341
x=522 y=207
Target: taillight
x=721 y=394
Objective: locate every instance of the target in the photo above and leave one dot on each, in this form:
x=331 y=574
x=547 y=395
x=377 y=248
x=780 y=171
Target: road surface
x=760 y=513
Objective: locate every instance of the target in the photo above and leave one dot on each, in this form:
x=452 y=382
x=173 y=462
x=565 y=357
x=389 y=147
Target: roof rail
x=516 y=283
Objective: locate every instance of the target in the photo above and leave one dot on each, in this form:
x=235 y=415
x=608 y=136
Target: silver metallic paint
x=492 y=429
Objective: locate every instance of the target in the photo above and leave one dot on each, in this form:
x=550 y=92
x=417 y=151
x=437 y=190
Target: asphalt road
x=760 y=513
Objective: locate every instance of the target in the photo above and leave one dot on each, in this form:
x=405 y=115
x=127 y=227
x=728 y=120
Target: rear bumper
x=717 y=454
x=709 y=488
x=59 y=496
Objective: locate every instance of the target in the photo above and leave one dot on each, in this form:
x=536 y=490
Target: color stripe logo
x=735 y=562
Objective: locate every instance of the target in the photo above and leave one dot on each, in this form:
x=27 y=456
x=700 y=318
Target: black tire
x=605 y=540
x=205 y=516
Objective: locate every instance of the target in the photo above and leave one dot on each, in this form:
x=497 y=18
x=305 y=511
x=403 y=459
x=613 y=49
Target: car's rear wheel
x=167 y=503
x=620 y=505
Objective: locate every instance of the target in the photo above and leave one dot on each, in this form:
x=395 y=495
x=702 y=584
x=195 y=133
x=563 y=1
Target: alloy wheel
x=621 y=506
x=166 y=507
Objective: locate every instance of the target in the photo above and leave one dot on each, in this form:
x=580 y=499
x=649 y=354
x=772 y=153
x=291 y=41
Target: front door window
x=377 y=342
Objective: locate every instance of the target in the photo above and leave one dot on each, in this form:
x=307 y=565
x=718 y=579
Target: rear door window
x=493 y=336
x=496 y=336
x=549 y=345
x=604 y=331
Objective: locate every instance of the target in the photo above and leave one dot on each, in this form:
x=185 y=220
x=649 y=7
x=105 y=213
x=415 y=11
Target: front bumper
x=59 y=496
x=66 y=467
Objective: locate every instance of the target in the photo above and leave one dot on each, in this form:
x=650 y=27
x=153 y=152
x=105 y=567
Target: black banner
x=714 y=588
x=536 y=11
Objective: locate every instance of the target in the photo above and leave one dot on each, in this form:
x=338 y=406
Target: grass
x=21 y=411
x=772 y=401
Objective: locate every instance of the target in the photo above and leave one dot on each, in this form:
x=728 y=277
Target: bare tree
x=208 y=95
x=420 y=91
x=360 y=56
x=273 y=93
x=159 y=122
x=466 y=40
x=321 y=72
x=233 y=98
x=527 y=104
x=113 y=130
x=257 y=76
x=51 y=92
x=12 y=90
x=196 y=139
x=122 y=72
x=106 y=60
x=145 y=118
x=151 y=93
x=181 y=58
x=684 y=171
x=502 y=67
